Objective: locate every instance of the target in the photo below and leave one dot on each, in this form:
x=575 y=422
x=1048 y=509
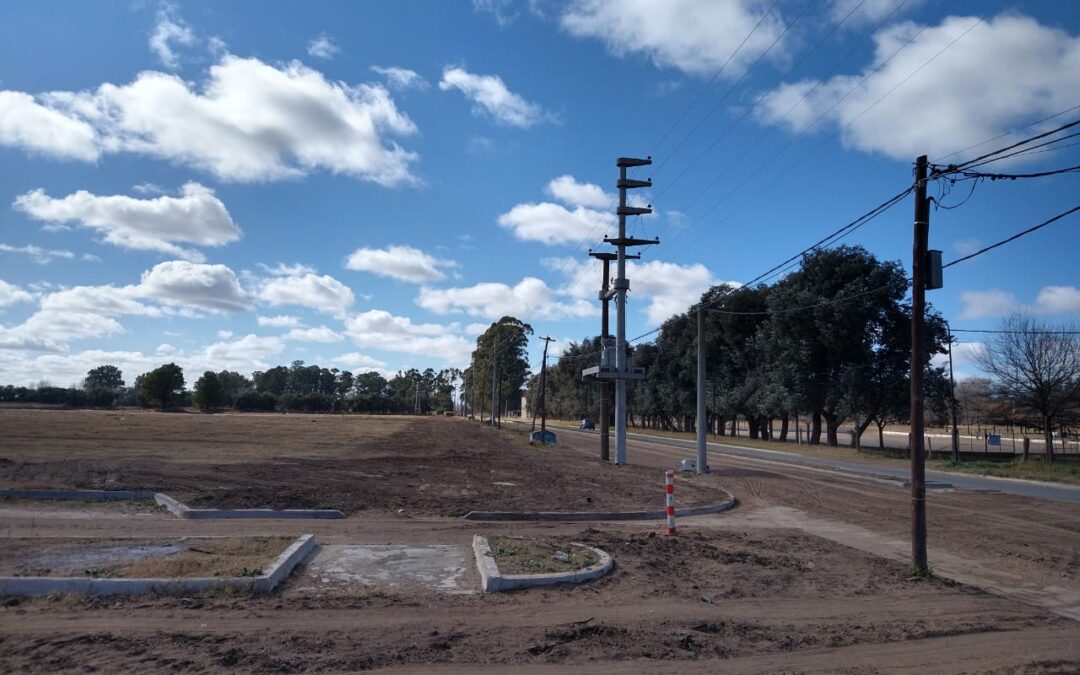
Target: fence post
x=669 y=490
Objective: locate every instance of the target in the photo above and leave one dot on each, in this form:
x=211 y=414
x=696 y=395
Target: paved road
x=1024 y=488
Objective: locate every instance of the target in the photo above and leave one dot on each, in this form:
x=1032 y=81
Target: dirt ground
x=427 y=466
x=803 y=577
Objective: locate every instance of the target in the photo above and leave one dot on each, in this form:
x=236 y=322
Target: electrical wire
x=1016 y=332
x=1013 y=237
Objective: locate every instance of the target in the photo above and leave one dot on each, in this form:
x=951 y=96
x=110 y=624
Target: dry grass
x=534 y=555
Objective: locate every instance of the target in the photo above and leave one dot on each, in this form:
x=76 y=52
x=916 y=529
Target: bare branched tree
x=1037 y=366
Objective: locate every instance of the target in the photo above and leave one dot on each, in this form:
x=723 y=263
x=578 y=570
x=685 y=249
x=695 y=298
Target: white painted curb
x=493 y=581
x=281 y=568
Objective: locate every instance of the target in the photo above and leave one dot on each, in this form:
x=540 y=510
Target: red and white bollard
x=669 y=489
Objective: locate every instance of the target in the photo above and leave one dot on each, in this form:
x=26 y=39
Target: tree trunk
x=1048 y=434
x=783 y=427
x=815 y=428
x=856 y=438
x=734 y=426
x=752 y=423
x=832 y=422
x=880 y=434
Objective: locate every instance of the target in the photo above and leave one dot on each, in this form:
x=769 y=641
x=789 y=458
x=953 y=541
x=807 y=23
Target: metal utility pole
x=494 y=395
x=952 y=401
x=622 y=285
x=702 y=417
x=543 y=392
x=918 y=362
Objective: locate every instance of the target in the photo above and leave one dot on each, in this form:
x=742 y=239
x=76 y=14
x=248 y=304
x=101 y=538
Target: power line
x=955 y=168
x=1013 y=131
x=1013 y=237
x=1016 y=332
x=1014 y=176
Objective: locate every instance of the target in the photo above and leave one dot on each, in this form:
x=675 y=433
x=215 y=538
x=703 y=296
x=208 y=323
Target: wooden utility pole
x=918 y=363
x=543 y=392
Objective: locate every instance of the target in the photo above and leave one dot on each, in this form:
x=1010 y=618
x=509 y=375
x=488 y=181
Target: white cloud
x=280 y=321
x=103 y=300
x=282 y=270
x=195 y=217
x=360 y=362
x=41 y=256
x=401 y=79
x=320 y=334
x=500 y=10
x=1058 y=300
x=249 y=122
x=169 y=29
x=569 y=191
x=694 y=36
x=11 y=294
x=530 y=298
x=475 y=329
x=555 y=224
x=26 y=124
x=323 y=47
x=381 y=330
x=223 y=334
x=399 y=262
x=1002 y=74
x=323 y=293
x=211 y=287
x=50 y=330
x=670 y=288
x=244 y=354
x=490 y=95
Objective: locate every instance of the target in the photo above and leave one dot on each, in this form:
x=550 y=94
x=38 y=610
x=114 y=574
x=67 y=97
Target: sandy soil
x=428 y=465
x=766 y=588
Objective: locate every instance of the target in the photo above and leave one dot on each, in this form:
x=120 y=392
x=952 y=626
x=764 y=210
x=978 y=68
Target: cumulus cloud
x=1001 y=75
x=210 y=287
x=490 y=95
x=320 y=334
x=555 y=224
x=996 y=302
x=568 y=190
x=50 y=330
x=530 y=298
x=26 y=124
x=669 y=288
x=401 y=79
x=322 y=293
x=158 y=224
x=168 y=30
x=104 y=300
x=42 y=256
x=694 y=36
x=399 y=262
x=380 y=329
x=360 y=362
x=280 y=321
x=11 y=294
x=323 y=47
x=249 y=121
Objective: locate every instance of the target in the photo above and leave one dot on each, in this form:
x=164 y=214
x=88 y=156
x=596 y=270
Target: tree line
x=829 y=343
x=294 y=388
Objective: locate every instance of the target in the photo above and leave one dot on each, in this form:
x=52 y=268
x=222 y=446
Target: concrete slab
x=438 y=567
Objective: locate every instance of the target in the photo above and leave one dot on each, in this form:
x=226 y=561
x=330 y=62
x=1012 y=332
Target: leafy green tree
x=234 y=385
x=162 y=386
x=208 y=393
x=510 y=361
x=107 y=377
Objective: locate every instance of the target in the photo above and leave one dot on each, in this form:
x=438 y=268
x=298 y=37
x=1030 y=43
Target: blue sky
x=369 y=185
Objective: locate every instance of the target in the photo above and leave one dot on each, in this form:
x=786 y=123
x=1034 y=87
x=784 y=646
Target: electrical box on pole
x=934 y=274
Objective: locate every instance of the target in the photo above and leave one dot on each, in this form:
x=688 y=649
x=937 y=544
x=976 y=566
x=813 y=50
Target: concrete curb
x=174 y=506
x=730 y=503
x=494 y=581
x=264 y=583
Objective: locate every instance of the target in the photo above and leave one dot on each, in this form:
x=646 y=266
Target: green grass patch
x=1033 y=469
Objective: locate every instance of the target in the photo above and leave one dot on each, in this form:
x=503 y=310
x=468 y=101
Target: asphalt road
x=1012 y=486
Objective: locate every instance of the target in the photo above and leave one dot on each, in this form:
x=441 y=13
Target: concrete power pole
x=918 y=359
x=605 y=296
x=701 y=466
x=622 y=285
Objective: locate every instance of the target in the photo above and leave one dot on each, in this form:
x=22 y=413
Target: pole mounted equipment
x=619 y=370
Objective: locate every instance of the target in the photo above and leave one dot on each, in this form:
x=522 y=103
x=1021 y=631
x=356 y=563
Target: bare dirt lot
x=430 y=465
x=802 y=577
